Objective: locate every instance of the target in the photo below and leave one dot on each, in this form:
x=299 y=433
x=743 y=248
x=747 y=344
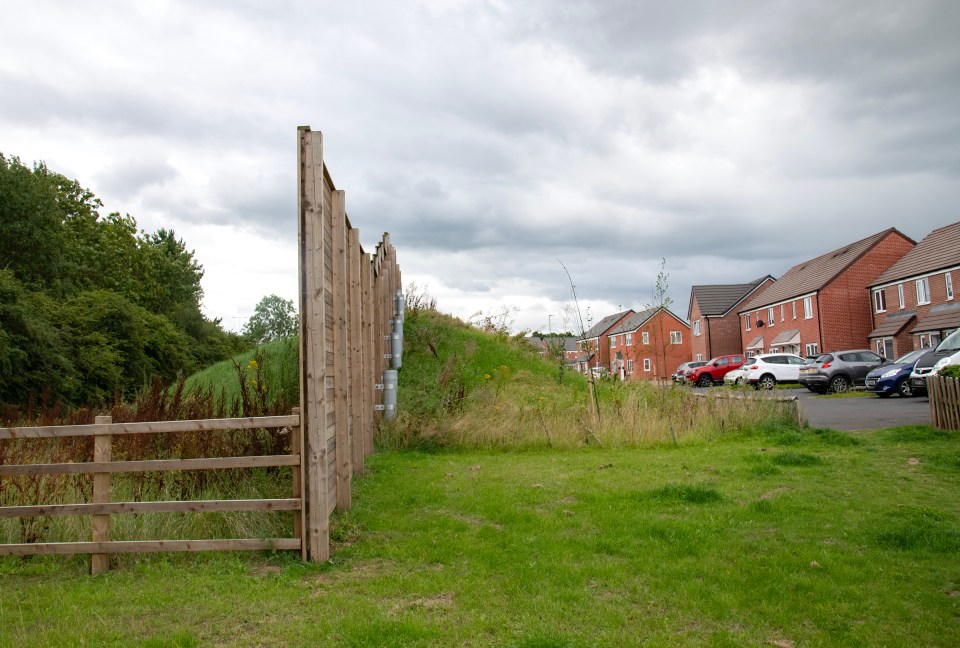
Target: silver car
x=839 y=370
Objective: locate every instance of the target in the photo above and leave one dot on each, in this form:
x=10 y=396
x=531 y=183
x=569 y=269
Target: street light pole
x=550 y=323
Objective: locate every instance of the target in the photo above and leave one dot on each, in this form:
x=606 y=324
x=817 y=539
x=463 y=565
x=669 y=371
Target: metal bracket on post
x=379 y=408
x=387 y=356
x=378 y=386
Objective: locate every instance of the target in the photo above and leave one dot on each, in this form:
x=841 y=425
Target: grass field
x=773 y=538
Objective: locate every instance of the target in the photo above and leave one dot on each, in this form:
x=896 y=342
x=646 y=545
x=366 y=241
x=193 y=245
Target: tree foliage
x=273 y=317
x=90 y=308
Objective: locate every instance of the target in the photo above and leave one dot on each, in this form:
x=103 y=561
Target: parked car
x=681 y=373
x=768 y=369
x=947 y=352
x=840 y=370
x=735 y=376
x=895 y=378
x=714 y=370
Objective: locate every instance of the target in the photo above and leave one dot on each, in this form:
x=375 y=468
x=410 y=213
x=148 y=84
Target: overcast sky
x=494 y=139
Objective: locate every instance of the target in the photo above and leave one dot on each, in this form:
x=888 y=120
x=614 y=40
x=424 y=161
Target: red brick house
x=649 y=345
x=712 y=313
x=594 y=347
x=913 y=302
x=822 y=304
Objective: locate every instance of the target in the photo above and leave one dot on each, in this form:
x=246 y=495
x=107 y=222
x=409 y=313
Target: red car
x=714 y=370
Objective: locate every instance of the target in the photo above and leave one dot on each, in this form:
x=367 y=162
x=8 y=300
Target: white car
x=735 y=377
x=768 y=369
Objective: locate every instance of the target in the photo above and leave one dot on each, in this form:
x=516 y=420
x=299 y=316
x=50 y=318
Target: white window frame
x=629 y=340
x=781 y=313
x=948 y=280
x=922 y=286
x=812 y=349
x=676 y=337
x=808 y=308
x=793 y=304
x=748 y=321
x=696 y=328
x=630 y=366
x=699 y=357
x=645 y=337
x=646 y=364
x=613 y=341
x=900 y=296
x=879 y=301
x=770 y=317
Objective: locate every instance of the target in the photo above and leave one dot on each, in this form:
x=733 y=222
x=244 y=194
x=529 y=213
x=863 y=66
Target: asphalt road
x=864 y=413
x=860 y=413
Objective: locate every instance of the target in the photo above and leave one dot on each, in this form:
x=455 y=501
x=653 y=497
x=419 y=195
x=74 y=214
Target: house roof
x=894 y=324
x=718 y=299
x=940 y=318
x=812 y=275
x=939 y=249
x=637 y=320
x=756 y=343
x=603 y=325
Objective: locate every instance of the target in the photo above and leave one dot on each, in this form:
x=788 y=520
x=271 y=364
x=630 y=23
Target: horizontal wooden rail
x=119 y=508
x=148 y=546
x=204 y=425
x=91 y=467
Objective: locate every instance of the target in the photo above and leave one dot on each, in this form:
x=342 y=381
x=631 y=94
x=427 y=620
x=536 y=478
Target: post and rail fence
x=351 y=314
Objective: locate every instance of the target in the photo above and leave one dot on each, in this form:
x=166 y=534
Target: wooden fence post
x=356 y=351
x=369 y=350
x=100 y=563
x=340 y=348
x=313 y=371
x=296 y=448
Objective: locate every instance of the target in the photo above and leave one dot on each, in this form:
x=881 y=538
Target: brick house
x=594 y=347
x=712 y=313
x=913 y=302
x=649 y=345
x=822 y=304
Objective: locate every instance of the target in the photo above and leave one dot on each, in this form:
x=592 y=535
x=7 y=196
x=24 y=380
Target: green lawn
x=783 y=539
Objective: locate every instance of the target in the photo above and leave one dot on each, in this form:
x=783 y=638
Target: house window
x=646 y=364
x=629 y=339
x=781 y=312
x=676 y=337
x=808 y=308
x=630 y=367
x=699 y=357
x=900 y=295
x=923 y=291
x=748 y=321
x=770 y=316
x=879 y=301
x=645 y=337
x=793 y=305
x=949 y=279
x=696 y=327
x=929 y=340
x=812 y=349
x=613 y=341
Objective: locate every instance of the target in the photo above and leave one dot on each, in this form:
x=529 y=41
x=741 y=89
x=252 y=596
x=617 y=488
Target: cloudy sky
x=494 y=139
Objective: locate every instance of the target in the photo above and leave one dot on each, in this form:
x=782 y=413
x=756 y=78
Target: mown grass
x=775 y=537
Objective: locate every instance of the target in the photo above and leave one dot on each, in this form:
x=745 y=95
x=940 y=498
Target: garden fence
x=944 y=393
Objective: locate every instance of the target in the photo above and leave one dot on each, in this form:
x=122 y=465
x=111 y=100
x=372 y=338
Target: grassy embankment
x=753 y=533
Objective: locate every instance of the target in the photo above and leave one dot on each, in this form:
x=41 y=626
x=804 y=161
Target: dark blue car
x=894 y=378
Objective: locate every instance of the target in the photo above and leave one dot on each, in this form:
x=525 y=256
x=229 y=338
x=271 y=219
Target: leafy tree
x=273 y=317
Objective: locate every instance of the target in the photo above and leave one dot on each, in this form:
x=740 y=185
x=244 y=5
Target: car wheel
x=767 y=381
x=839 y=384
x=704 y=381
x=904 y=388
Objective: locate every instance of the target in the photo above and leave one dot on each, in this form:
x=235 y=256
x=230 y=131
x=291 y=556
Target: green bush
x=951 y=371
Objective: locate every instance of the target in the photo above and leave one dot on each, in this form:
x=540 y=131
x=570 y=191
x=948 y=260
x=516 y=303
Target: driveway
x=862 y=413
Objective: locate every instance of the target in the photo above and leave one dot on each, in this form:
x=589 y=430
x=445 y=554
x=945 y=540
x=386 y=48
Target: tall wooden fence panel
x=347 y=308
x=944 y=395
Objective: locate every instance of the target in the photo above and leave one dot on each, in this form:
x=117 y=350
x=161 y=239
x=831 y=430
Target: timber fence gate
x=349 y=301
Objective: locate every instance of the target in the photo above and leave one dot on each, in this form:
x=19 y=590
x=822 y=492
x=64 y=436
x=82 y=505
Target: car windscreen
x=910 y=358
x=826 y=357
x=951 y=343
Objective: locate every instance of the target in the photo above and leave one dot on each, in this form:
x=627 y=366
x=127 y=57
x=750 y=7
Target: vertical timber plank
x=313 y=406
x=296 y=448
x=356 y=351
x=100 y=563
x=340 y=346
x=369 y=378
